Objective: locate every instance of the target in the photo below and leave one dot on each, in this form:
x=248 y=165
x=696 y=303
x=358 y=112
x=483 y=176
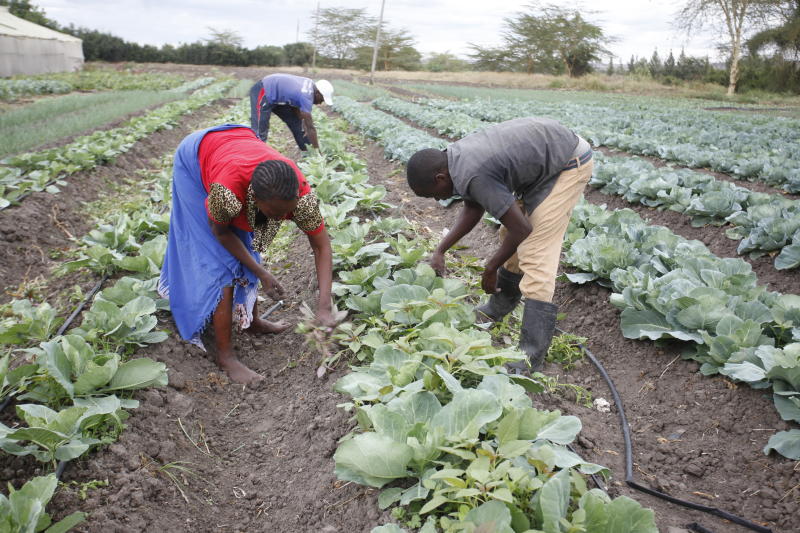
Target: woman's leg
x=223 y=324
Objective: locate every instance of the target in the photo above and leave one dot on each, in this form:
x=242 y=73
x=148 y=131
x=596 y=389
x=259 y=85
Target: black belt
x=575 y=162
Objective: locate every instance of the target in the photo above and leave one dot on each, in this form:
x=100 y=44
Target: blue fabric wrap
x=196 y=266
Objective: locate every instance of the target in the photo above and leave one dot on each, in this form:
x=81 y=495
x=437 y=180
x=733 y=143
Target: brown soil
x=260 y=458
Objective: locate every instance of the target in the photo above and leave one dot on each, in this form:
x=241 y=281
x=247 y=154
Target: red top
x=229 y=157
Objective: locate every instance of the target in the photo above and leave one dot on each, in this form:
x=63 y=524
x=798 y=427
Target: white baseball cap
x=326 y=89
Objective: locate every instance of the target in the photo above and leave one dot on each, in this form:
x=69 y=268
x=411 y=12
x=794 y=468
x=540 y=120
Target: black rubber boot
x=536 y=333
x=503 y=302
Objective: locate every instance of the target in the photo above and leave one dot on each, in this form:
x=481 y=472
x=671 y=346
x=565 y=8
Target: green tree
x=669 y=65
x=395 y=52
x=553 y=39
x=655 y=64
x=736 y=18
x=445 y=62
x=493 y=59
x=340 y=32
x=225 y=37
x=298 y=54
x=25 y=10
x=267 y=55
x=610 y=70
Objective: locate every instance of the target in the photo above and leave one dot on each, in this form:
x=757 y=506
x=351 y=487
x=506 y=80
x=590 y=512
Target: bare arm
x=323 y=260
x=518 y=228
x=308 y=126
x=470 y=215
x=237 y=249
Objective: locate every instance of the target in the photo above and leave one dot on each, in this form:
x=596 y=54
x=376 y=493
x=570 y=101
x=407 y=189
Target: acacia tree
x=340 y=32
x=395 y=52
x=553 y=39
x=736 y=18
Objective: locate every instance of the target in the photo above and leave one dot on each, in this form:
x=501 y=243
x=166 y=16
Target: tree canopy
x=546 y=38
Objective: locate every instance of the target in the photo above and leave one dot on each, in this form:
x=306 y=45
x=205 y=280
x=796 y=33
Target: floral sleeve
x=307 y=215
x=222 y=205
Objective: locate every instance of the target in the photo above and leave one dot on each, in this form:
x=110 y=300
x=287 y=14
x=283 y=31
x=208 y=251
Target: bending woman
x=230 y=194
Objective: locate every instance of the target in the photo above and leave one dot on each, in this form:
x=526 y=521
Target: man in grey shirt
x=528 y=173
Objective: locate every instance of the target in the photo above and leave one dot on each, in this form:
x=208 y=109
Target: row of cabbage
x=73 y=390
x=438 y=418
x=88 y=80
x=749 y=146
x=44 y=170
x=669 y=287
x=81 y=381
x=764 y=223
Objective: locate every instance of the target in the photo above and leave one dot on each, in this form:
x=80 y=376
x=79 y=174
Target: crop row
x=437 y=415
x=44 y=170
x=81 y=380
x=762 y=222
x=669 y=287
x=87 y=80
x=755 y=147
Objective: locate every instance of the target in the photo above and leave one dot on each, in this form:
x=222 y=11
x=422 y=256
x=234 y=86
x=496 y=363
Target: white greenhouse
x=27 y=48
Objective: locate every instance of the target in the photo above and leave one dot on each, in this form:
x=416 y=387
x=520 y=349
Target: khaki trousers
x=537 y=257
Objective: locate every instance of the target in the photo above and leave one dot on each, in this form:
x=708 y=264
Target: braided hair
x=274 y=180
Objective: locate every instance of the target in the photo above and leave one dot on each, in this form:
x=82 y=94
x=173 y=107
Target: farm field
x=706 y=386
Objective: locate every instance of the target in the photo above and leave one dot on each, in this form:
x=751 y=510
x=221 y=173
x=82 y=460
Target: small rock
x=770 y=514
x=181 y=405
x=177 y=380
x=153 y=397
x=694 y=470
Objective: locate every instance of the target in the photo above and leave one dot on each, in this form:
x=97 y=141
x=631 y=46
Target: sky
x=638 y=26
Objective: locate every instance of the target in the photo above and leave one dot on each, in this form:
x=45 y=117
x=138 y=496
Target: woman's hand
x=437 y=264
x=271 y=286
x=326 y=319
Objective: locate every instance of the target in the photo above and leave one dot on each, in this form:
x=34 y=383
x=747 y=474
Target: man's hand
x=489 y=281
x=271 y=286
x=437 y=264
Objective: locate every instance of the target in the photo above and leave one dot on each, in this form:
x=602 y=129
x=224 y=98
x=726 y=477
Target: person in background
x=230 y=194
x=290 y=98
x=528 y=173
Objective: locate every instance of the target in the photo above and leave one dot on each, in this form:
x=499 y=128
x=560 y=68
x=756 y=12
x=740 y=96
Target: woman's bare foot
x=237 y=371
x=265 y=326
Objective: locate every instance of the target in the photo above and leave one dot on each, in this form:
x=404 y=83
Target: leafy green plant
x=69 y=367
x=66 y=434
x=23 y=510
x=129 y=324
x=566 y=350
x=23 y=322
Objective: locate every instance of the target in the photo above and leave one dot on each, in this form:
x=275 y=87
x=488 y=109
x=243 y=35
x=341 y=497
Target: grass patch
x=241 y=90
x=565 y=350
x=48 y=120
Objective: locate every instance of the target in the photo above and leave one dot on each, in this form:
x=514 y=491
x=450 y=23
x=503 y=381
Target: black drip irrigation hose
x=631 y=482
x=78 y=309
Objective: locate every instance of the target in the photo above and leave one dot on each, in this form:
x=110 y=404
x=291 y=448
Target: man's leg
x=289 y=116
x=222 y=321
x=539 y=256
